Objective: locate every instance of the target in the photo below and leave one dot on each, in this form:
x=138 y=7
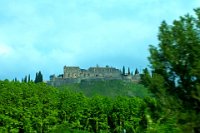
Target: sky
x=46 y=35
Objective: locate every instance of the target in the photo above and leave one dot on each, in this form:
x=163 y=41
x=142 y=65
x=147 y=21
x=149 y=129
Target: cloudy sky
x=48 y=34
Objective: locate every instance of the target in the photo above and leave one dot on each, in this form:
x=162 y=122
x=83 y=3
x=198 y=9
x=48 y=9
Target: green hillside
x=111 y=88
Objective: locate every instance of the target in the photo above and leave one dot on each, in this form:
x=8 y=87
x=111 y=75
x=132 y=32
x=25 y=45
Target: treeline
x=124 y=73
x=26 y=79
x=30 y=107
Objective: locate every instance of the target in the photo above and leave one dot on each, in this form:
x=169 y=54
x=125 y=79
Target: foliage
x=26 y=107
x=129 y=71
x=25 y=79
x=30 y=107
x=145 y=77
x=177 y=58
x=136 y=71
x=123 y=70
x=175 y=71
x=38 y=77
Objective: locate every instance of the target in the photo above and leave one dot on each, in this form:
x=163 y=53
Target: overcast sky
x=48 y=34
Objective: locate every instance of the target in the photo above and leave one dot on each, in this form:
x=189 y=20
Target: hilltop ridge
x=74 y=74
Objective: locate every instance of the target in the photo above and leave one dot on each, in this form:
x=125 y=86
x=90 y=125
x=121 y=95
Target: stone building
x=76 y=75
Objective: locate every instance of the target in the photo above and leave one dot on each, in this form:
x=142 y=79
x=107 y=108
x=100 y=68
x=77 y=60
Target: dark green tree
x=29 y=78
x=38 y=77
x=176 y=61
x=15 y=80
x=123 y=70
x=136 y=71
x=129 y=71
x=25 y=79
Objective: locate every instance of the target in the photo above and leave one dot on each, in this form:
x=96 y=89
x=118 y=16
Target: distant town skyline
x=46 y=35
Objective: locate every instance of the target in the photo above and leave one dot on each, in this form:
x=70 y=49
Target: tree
x=136 y=71
x=25 y=79
x=129 y=71
x=123 y=70
x=145 y=77
x=15 y=80
x=38 y=77
x=176 y=59
x=29 y=78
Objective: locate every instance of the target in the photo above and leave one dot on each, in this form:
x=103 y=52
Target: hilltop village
x=73 y=74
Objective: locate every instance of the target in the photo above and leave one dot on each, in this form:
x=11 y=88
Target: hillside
x=111 y=88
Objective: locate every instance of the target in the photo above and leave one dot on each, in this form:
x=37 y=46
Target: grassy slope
x=110 y=88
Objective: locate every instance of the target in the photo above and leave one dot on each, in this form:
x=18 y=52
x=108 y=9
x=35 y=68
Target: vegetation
x=110 y=88
x=30 y=107
x=175 y=68
x=38 y=77
x=123 y=70
x=25 y=79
